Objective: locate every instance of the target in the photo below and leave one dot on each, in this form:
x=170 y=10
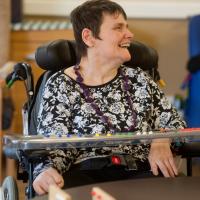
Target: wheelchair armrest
x=31 y=155
x=191 y=149
x=11 y=153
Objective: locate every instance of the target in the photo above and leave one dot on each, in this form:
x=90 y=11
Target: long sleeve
x=55 y=112
x=54 y=119
x=163 y=113
x=59 y=159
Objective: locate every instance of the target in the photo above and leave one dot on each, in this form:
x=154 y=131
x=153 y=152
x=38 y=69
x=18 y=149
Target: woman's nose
x=129 y=34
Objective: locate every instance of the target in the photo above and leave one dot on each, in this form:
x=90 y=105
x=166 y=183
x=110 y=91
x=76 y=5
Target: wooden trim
x=40 y=36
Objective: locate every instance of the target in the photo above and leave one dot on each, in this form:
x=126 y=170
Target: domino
x=55 y=193
x=99 y=194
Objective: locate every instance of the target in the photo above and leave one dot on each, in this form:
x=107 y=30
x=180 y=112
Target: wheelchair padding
x=142 y=56
x=56 y=55
x=62 y=54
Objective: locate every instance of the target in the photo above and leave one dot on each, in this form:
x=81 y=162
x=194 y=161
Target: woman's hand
x=160 y=157
x=45 y=179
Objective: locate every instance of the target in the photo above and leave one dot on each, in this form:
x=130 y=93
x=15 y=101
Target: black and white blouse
x=64 y=110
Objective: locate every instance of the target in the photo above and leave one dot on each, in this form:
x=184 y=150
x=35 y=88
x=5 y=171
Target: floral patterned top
x=64 y=110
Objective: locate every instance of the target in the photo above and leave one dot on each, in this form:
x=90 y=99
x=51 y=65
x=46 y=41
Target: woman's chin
x=126 y=58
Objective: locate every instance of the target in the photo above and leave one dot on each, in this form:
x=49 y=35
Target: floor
x=21 y=188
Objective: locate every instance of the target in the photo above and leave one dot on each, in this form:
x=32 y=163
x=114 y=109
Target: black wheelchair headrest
x=60 y=54
x=56 y=55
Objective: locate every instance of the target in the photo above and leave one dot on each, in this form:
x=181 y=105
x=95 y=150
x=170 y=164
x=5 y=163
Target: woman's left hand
x=160 y=157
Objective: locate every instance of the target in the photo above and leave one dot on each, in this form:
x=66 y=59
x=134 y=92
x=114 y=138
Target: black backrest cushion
x=60 y=54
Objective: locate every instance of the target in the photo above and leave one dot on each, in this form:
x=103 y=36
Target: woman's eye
x=118 y=28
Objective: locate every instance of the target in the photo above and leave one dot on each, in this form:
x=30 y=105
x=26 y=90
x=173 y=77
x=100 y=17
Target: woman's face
x=115 y=39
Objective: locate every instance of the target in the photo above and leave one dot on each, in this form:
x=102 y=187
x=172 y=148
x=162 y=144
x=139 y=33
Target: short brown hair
x=90 y=15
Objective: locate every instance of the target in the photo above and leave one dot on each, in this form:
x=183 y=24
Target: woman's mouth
x=124 y=45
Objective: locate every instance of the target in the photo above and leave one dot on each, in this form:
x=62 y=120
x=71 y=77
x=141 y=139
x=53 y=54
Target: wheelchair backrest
x=60 y=54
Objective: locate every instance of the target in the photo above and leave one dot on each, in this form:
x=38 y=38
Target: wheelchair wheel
x=1 y=194
x=9 y=189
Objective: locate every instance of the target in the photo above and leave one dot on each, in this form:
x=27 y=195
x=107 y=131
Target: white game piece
x=144 y=133
x=55 y=193
x=150 y=132
x=138 y=133
x=99 y=194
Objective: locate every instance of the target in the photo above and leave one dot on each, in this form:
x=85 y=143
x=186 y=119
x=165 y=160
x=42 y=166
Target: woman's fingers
x=164 y=166
x=165 y=169
x=154 y=168
x=45 y=179
x=39 y=189
x=173 y=165
x=58 y=179
x=161 y=157
x=169 y=168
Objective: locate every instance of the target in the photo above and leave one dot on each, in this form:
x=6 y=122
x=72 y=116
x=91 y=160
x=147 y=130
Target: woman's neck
x=96 y=73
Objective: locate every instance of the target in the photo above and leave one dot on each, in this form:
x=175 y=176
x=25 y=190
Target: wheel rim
x=6 y=195
x=10 y=191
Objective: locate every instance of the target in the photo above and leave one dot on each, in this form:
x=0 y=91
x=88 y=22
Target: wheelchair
x=53 y=57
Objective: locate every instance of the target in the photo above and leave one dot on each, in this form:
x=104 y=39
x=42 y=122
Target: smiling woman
x=100 y=95
x=178 y=9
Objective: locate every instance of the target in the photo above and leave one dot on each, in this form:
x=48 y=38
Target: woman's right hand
x=48 y=177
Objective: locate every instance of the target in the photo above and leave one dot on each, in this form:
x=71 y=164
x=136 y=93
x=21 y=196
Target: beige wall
x=169 y=38
x=165 y=9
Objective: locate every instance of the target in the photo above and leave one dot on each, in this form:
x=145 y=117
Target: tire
x=1 y=194
x=9 y=189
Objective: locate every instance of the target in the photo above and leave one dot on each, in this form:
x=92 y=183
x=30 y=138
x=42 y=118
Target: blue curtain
x=192 y=112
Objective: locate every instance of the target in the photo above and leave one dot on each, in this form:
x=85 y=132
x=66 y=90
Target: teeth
x=125 y=45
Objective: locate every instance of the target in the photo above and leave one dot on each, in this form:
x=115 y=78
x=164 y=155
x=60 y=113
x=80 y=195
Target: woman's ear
x=88 y=37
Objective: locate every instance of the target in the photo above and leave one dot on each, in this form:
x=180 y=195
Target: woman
x=100 y=95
